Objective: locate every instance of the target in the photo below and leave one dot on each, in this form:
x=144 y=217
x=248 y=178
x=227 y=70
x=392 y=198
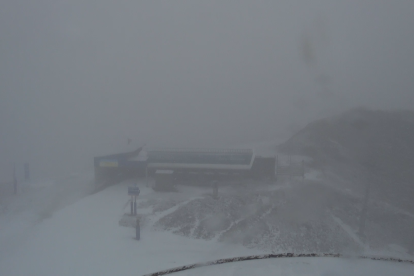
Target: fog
x=79 y=78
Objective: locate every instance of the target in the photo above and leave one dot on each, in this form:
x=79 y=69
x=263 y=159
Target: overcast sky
x=77 y=78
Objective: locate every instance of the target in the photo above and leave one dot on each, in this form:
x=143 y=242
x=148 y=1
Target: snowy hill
x=268 y=218
x=85 y=238
x=363 y=146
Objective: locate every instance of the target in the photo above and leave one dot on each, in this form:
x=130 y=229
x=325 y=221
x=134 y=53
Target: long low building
x=213 y=163
x=205 y=159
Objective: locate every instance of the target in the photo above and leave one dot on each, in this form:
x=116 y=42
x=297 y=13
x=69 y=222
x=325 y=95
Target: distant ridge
x=363 y=145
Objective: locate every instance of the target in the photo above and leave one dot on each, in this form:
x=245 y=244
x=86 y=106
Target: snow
x=304 y=266
x=85 y=238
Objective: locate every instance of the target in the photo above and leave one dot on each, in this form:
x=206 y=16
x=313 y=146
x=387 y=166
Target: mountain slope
x=363 y=146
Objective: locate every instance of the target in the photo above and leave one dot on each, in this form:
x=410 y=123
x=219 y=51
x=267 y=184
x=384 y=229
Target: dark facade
x=186 y=164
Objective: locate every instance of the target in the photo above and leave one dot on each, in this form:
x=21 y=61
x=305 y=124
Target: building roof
x=200 y=158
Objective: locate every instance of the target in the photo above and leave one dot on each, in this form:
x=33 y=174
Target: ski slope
x=85 y=238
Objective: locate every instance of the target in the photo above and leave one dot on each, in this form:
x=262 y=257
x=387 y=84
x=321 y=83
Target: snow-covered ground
x=85 y=238
x=304 y=266
x=35 y=202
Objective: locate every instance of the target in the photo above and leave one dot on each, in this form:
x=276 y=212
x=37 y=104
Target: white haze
x=78 y=78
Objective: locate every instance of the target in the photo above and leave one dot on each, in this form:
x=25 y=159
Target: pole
x=137 y=230
x=303 y=171
x=215 y=190
x=135 y=205
x=277 y=167
x=363 y=218
x=14 y=179
x=146 y=175
x=132 y=207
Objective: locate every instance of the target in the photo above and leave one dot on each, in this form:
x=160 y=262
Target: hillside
x=84 y=238
x=320 y=214
x=360 y=147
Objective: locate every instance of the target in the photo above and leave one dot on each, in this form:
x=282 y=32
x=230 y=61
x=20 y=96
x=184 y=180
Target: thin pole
x=132 y=207
x=14 y=179
x=146 y=176
x=363 y=218
x=303 y=170
x=135 y=205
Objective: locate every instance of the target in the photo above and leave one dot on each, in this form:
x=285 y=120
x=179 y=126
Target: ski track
x=221 y=233
x=171 y=210
x=350 y=232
